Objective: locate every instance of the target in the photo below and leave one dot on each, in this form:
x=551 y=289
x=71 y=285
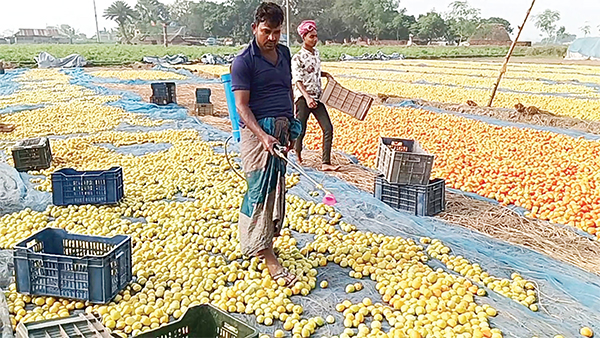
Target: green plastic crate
x=203 y=321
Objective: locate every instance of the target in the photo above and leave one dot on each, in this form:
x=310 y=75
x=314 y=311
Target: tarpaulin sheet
x=80 y=77
x=213 y=59
x=370 y=57
x=569 y=297
x=178 y=59
x=45 y=60
x=584 y=48
x=8 y=85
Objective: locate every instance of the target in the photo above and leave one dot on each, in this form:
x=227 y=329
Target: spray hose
x=328 y=199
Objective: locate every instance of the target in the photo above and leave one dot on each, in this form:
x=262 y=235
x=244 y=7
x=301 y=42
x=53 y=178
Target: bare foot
x=330 y=167
x=299 y=158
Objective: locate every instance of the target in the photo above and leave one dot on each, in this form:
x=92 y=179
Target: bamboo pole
x=510 y=52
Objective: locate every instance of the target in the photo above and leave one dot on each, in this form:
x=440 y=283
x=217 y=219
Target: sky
x=80 y=13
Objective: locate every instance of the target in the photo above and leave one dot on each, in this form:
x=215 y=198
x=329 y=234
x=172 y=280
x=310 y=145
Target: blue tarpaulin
x=569 y=296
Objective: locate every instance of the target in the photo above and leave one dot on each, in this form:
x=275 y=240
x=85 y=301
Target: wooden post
x=165 y=40
x=96 y=17
x=510 y=52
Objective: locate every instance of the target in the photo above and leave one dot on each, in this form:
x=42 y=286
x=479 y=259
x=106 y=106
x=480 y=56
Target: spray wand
x=328 y=199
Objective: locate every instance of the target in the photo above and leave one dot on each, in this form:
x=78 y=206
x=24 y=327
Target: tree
x=8 y=33
x=203 y=18
x=546 y=21
x=402 y=24
x=463 y=19
x=379 y=17
x=586 y=29
x=241 y=16
x=317 y=10
x=562 y=36
x=122 y=14
x=501 y=21
x=430 y=26
x=69 y=32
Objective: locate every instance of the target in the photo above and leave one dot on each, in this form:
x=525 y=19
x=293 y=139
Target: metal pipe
x=287 y=18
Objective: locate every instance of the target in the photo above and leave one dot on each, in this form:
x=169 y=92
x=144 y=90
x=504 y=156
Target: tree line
x=338 y=20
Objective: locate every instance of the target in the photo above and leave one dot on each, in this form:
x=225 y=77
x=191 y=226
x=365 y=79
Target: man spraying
x=261 y=79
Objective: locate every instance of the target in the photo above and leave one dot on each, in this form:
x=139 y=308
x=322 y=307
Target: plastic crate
x=203 y=95
x=419 y=200
x=53 y=262
x=204 y=109
x=349 y=102
x=72 y=187
x=32 y=154
x=163 y=93
x=203 y=321
x=83 y=325
x=403 y=167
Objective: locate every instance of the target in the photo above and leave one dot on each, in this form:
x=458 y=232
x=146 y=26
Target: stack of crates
x=163 y=93
x=203 y=105
x=404 y=183
x=32 y=154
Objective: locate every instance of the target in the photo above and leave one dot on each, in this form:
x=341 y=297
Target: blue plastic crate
x=203 y=95
x=72 y=187
x=163 y=93
x=53 y=262
x=419 y=200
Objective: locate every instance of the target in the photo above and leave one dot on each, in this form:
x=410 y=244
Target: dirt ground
x=531 y=59
x=488 y=218
x=529 y=115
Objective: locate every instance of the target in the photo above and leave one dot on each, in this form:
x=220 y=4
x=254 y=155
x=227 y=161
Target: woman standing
x=306 y=78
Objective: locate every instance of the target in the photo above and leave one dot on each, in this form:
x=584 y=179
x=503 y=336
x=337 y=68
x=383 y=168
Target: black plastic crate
x=72 y=187
x=53 y=262
x=83 y=325
x=404 y=167
x=32 y=154
x=204 y=321
x=203 y=95
x=163 y=93
x=420 y=200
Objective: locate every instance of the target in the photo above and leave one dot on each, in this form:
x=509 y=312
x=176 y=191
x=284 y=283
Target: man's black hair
x=269 y=12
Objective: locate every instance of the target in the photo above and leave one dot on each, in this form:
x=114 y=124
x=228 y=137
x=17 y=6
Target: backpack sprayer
x=328 y=199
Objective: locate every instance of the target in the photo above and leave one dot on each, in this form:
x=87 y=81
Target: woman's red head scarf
x=306 y=26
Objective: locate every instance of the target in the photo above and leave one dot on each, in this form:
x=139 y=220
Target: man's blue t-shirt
x=270 y=85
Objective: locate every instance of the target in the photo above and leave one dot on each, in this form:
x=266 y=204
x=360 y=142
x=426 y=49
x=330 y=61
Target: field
x=103 y=55
x=365 y=270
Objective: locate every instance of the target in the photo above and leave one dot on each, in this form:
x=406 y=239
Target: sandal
x=290 y=279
